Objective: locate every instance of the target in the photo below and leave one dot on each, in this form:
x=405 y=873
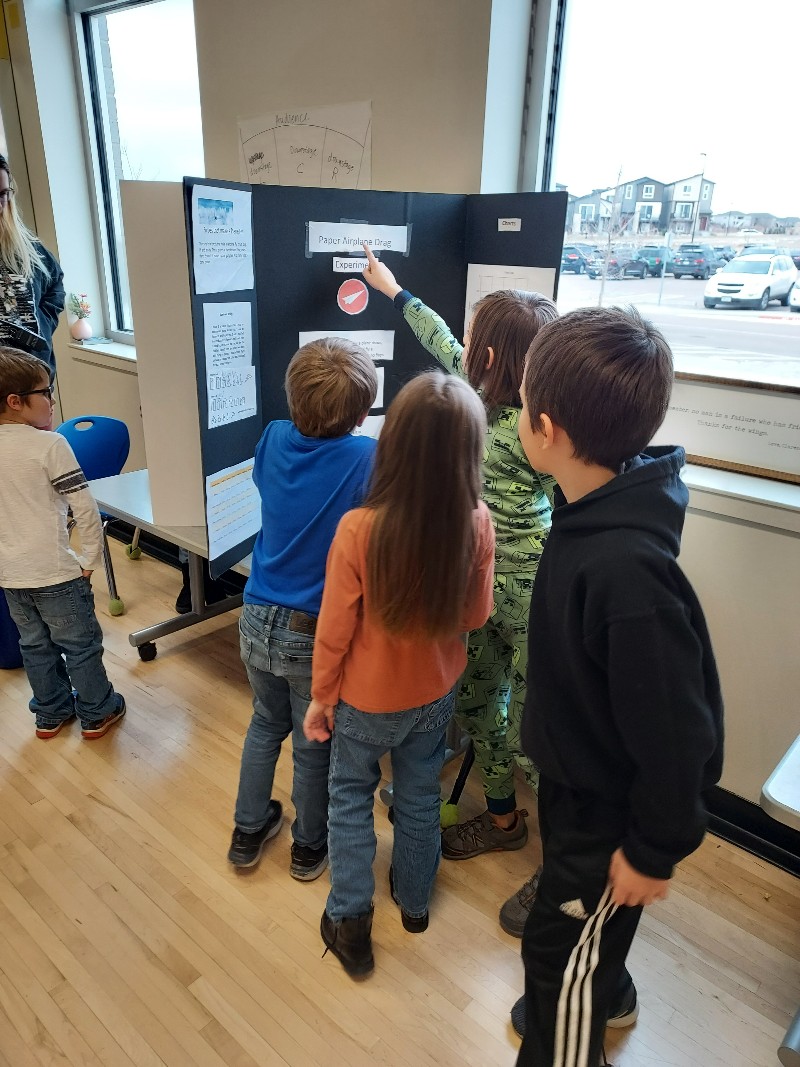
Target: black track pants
x=575 y=941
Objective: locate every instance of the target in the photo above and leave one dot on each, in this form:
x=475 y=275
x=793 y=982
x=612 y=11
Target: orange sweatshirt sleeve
x=479 y=599
x=341 y=607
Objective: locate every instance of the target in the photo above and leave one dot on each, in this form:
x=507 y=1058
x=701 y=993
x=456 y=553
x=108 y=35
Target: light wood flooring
x=126 y=940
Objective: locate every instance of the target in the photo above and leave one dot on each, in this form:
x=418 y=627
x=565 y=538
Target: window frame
x=106 y=213
x=628 y=191
x=648 y=195
x=680 y=213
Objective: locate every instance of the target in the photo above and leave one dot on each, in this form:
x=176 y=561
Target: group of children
x=506 y=552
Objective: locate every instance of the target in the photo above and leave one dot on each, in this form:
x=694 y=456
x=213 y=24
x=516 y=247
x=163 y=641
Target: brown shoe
x=480 y=835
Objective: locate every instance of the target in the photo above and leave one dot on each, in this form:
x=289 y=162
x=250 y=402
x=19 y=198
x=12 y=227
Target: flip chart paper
x=222 y=232
x=328 y=147
x=485 y=278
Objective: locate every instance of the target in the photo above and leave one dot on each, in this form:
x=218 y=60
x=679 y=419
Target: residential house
x=638 y=205
x=687 y=204
x=590 y=213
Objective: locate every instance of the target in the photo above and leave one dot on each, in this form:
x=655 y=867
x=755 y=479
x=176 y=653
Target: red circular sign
x=353 y=296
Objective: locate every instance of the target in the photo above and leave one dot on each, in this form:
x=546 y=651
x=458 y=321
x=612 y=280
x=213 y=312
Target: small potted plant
x=79 y=307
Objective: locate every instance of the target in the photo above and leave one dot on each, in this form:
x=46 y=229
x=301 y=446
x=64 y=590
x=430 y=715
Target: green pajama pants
x=492 y=691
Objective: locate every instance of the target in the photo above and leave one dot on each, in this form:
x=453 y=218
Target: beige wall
x=422 y=63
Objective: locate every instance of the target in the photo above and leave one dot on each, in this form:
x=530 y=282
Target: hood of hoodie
x=648 y=495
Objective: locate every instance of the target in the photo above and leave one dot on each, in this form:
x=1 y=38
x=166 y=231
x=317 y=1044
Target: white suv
x=751 y=281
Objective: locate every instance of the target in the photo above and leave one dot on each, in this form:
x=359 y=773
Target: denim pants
x=278 y=664
x=416 y=741
x=62 y=647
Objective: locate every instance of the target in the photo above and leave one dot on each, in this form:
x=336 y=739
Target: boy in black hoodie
x=623 y=714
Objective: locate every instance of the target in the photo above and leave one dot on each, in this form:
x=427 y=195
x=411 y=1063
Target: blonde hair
x=330 y=384
x=18 y=251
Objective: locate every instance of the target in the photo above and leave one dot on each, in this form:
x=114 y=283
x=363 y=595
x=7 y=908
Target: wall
x=423 y=65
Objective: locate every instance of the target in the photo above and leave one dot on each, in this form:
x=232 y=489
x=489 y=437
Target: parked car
x=761 y=250
x=724 y=252
x=635 y=266
x=573 y=258
x=752 y=281
x=795 y=254
x=656 y=257
x=794 y=297
x=699 y=261
x=613 y=263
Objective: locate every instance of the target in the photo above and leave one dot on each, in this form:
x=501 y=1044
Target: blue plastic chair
x=101 y=447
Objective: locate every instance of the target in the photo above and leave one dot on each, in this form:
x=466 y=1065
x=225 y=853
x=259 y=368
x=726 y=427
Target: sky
x=647 y=87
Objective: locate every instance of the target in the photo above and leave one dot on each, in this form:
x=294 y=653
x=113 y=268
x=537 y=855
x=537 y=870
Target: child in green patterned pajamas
x=492 y=692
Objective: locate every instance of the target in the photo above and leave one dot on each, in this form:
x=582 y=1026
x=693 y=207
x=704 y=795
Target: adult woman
x=31 y=281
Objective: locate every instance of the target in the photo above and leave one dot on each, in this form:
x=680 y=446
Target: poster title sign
x=339 y=237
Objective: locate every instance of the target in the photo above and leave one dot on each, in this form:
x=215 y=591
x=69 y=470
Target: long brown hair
x=425 y=488
x=507 y=321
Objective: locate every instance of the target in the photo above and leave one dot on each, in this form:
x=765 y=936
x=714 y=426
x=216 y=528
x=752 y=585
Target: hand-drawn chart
x=323 y=147
x=485 y=278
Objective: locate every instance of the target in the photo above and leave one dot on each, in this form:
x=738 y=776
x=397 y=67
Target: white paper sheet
x=371 y=427
x=328 y=147
x=376 y=343
x=485 y=278
x=222 y=228
x=233 y=507
x=350 y=236
x=228 y=334
x=231 y=395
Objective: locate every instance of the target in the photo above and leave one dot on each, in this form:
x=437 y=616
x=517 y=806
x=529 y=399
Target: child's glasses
x=48 y=392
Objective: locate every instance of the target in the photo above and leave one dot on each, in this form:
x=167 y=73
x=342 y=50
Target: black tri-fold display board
x=273 y=267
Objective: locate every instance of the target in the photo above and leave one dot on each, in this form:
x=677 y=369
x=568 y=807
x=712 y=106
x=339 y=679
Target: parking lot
x=738 y=343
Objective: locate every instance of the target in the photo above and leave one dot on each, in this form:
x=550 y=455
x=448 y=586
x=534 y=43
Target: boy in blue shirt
x=309 y=472
x=623 y=714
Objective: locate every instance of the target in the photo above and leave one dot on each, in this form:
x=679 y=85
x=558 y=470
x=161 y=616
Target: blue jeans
x=416 y=741
x=62 y=647
x=278 y=664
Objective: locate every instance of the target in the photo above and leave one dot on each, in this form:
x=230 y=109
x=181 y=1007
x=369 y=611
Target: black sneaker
x=246 y=848
x=622 y=1014
x=350 y=940
x=415 y=924
x=625 y=1013
x=308 y=863
x=90 y=731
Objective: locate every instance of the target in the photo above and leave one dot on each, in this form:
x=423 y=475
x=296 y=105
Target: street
x=762 y=346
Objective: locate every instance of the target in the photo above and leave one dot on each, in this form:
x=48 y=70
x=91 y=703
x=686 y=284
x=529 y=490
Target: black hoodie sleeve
x=660 y=706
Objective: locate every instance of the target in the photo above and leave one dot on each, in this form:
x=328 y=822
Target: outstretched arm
x=431 y=331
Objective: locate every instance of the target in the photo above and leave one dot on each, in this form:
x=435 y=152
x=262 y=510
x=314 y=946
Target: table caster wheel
x=116 y=607
x=148 y=651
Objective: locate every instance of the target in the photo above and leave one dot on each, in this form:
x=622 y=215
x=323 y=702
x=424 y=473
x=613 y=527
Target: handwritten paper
x=222 y=233
x=347 y=236
x=233 y=508
x=371 y=426
x=228 y=335
x=231 y=395
x=326 y=147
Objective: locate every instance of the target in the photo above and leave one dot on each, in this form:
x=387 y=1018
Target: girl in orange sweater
x=408 y=575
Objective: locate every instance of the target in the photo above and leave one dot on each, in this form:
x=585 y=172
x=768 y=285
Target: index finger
x=370 y=257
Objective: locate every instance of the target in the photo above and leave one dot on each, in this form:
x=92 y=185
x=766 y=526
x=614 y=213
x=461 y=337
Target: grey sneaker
x=480 y=835
x=514 y=913
x=621 y=1015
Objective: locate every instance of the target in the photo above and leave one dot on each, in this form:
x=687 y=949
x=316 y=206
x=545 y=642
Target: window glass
x=729 y=179
x=143 y=70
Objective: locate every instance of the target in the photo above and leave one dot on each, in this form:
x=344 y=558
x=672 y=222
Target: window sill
x=114 y=355
x=744 y=497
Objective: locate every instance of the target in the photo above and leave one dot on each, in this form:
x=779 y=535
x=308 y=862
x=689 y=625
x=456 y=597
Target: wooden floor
x=126 y=939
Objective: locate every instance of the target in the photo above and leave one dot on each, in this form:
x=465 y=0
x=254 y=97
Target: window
x=706 y=191
x=687 y=190
x=683 y=211
x=628 y=192
x=587 y=212
x=143 y=110
x=646 y=212
x=648 y=192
